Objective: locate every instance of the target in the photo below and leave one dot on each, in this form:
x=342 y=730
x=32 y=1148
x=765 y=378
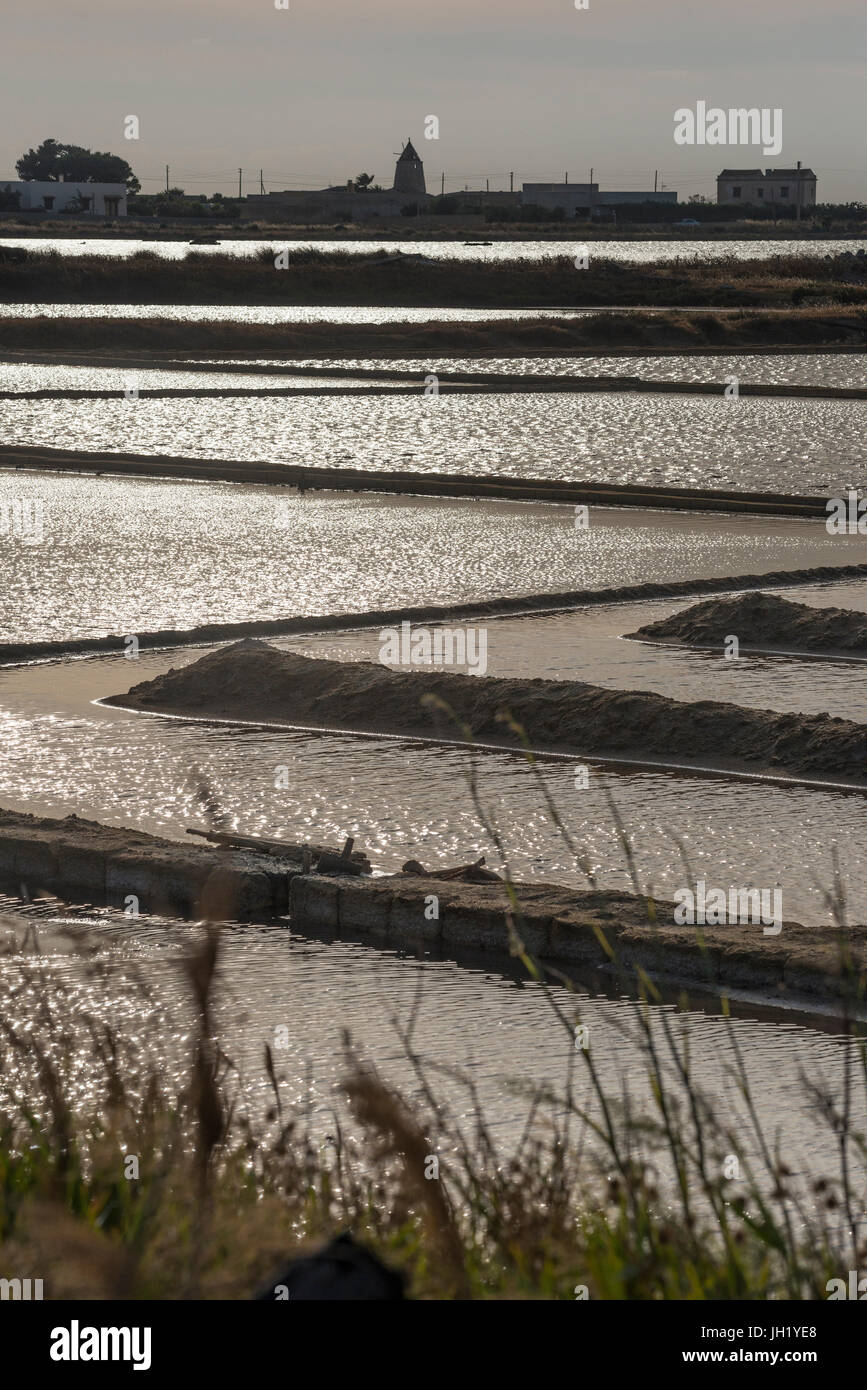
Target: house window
x=760 y=193
x=111 y=207
x=736 y=192
x=784 y=191
x=85 y=203
x=48 y=204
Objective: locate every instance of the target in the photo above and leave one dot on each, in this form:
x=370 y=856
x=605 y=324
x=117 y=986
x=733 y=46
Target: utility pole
x=442 y=186
x=567 y=180
x=240 y=173
x=261 y=184
x=167 y=178
x=487 y=185
x=655 y=177
x=511 y=183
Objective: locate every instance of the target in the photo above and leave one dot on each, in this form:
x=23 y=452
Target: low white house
x=788 y=187
x=94 y=199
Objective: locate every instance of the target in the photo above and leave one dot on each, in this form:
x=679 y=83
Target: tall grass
x=335 y=276
x=678 y=331
x=599 y=1194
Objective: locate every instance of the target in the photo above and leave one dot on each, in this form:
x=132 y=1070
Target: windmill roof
x=408 y=152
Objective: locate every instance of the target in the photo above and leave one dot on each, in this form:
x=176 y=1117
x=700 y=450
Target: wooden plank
x=286 y=848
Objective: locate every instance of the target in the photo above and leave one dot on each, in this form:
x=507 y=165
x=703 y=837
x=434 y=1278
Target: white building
x=780 y=187
x=94 y=199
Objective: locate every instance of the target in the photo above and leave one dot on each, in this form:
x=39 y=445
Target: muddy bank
x=513 y=489
x=274 y=365
x=514 y=605
x=681 y=330
x=765 y=622
x=448 y=384
x=84 y=862
x=251 y=681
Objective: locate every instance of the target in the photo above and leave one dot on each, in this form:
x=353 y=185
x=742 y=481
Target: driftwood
x=343 y=863
x=352 y=862
x=466 y=873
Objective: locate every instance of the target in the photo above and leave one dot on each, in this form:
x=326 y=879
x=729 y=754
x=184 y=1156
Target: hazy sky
x=328 y=88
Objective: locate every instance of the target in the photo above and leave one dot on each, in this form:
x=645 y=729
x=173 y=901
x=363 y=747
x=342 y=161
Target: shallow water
x=806 y=446
x=589 y=645
x=638 y=252
x=133 y=555
x=30 y=376
x=279 y=313
x=809 y=369
x=404 y=800
x=122 y=555
x=767 y=369
x=480 y=1018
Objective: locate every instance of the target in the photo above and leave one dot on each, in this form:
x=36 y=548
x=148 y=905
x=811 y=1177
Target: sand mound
x=252 y=681
x=763 y=620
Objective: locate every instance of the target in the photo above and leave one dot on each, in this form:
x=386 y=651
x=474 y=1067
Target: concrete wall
x=89 y=864
x=78 y=865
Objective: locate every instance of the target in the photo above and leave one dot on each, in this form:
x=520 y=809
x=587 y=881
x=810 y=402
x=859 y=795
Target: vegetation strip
x=313 y=276
x=684 y=330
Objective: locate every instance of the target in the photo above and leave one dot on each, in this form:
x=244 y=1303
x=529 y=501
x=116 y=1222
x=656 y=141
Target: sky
x=318 y=92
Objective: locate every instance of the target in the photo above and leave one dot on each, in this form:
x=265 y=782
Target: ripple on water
x=407 y=801
x=495 y=1028
x=588 y=645
x=637 y=252
x=812 y=446
x=125 y=555
x=796 y=369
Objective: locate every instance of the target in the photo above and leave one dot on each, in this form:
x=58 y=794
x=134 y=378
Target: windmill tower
x=409 y=173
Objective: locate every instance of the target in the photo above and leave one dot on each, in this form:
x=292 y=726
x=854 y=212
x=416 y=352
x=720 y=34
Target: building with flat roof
x=577 y=197
x=570 y=197
x=86 y=199
x=635 y=197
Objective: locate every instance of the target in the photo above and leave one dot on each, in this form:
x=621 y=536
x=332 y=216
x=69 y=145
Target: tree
x=362 y=182
x=54 y=162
